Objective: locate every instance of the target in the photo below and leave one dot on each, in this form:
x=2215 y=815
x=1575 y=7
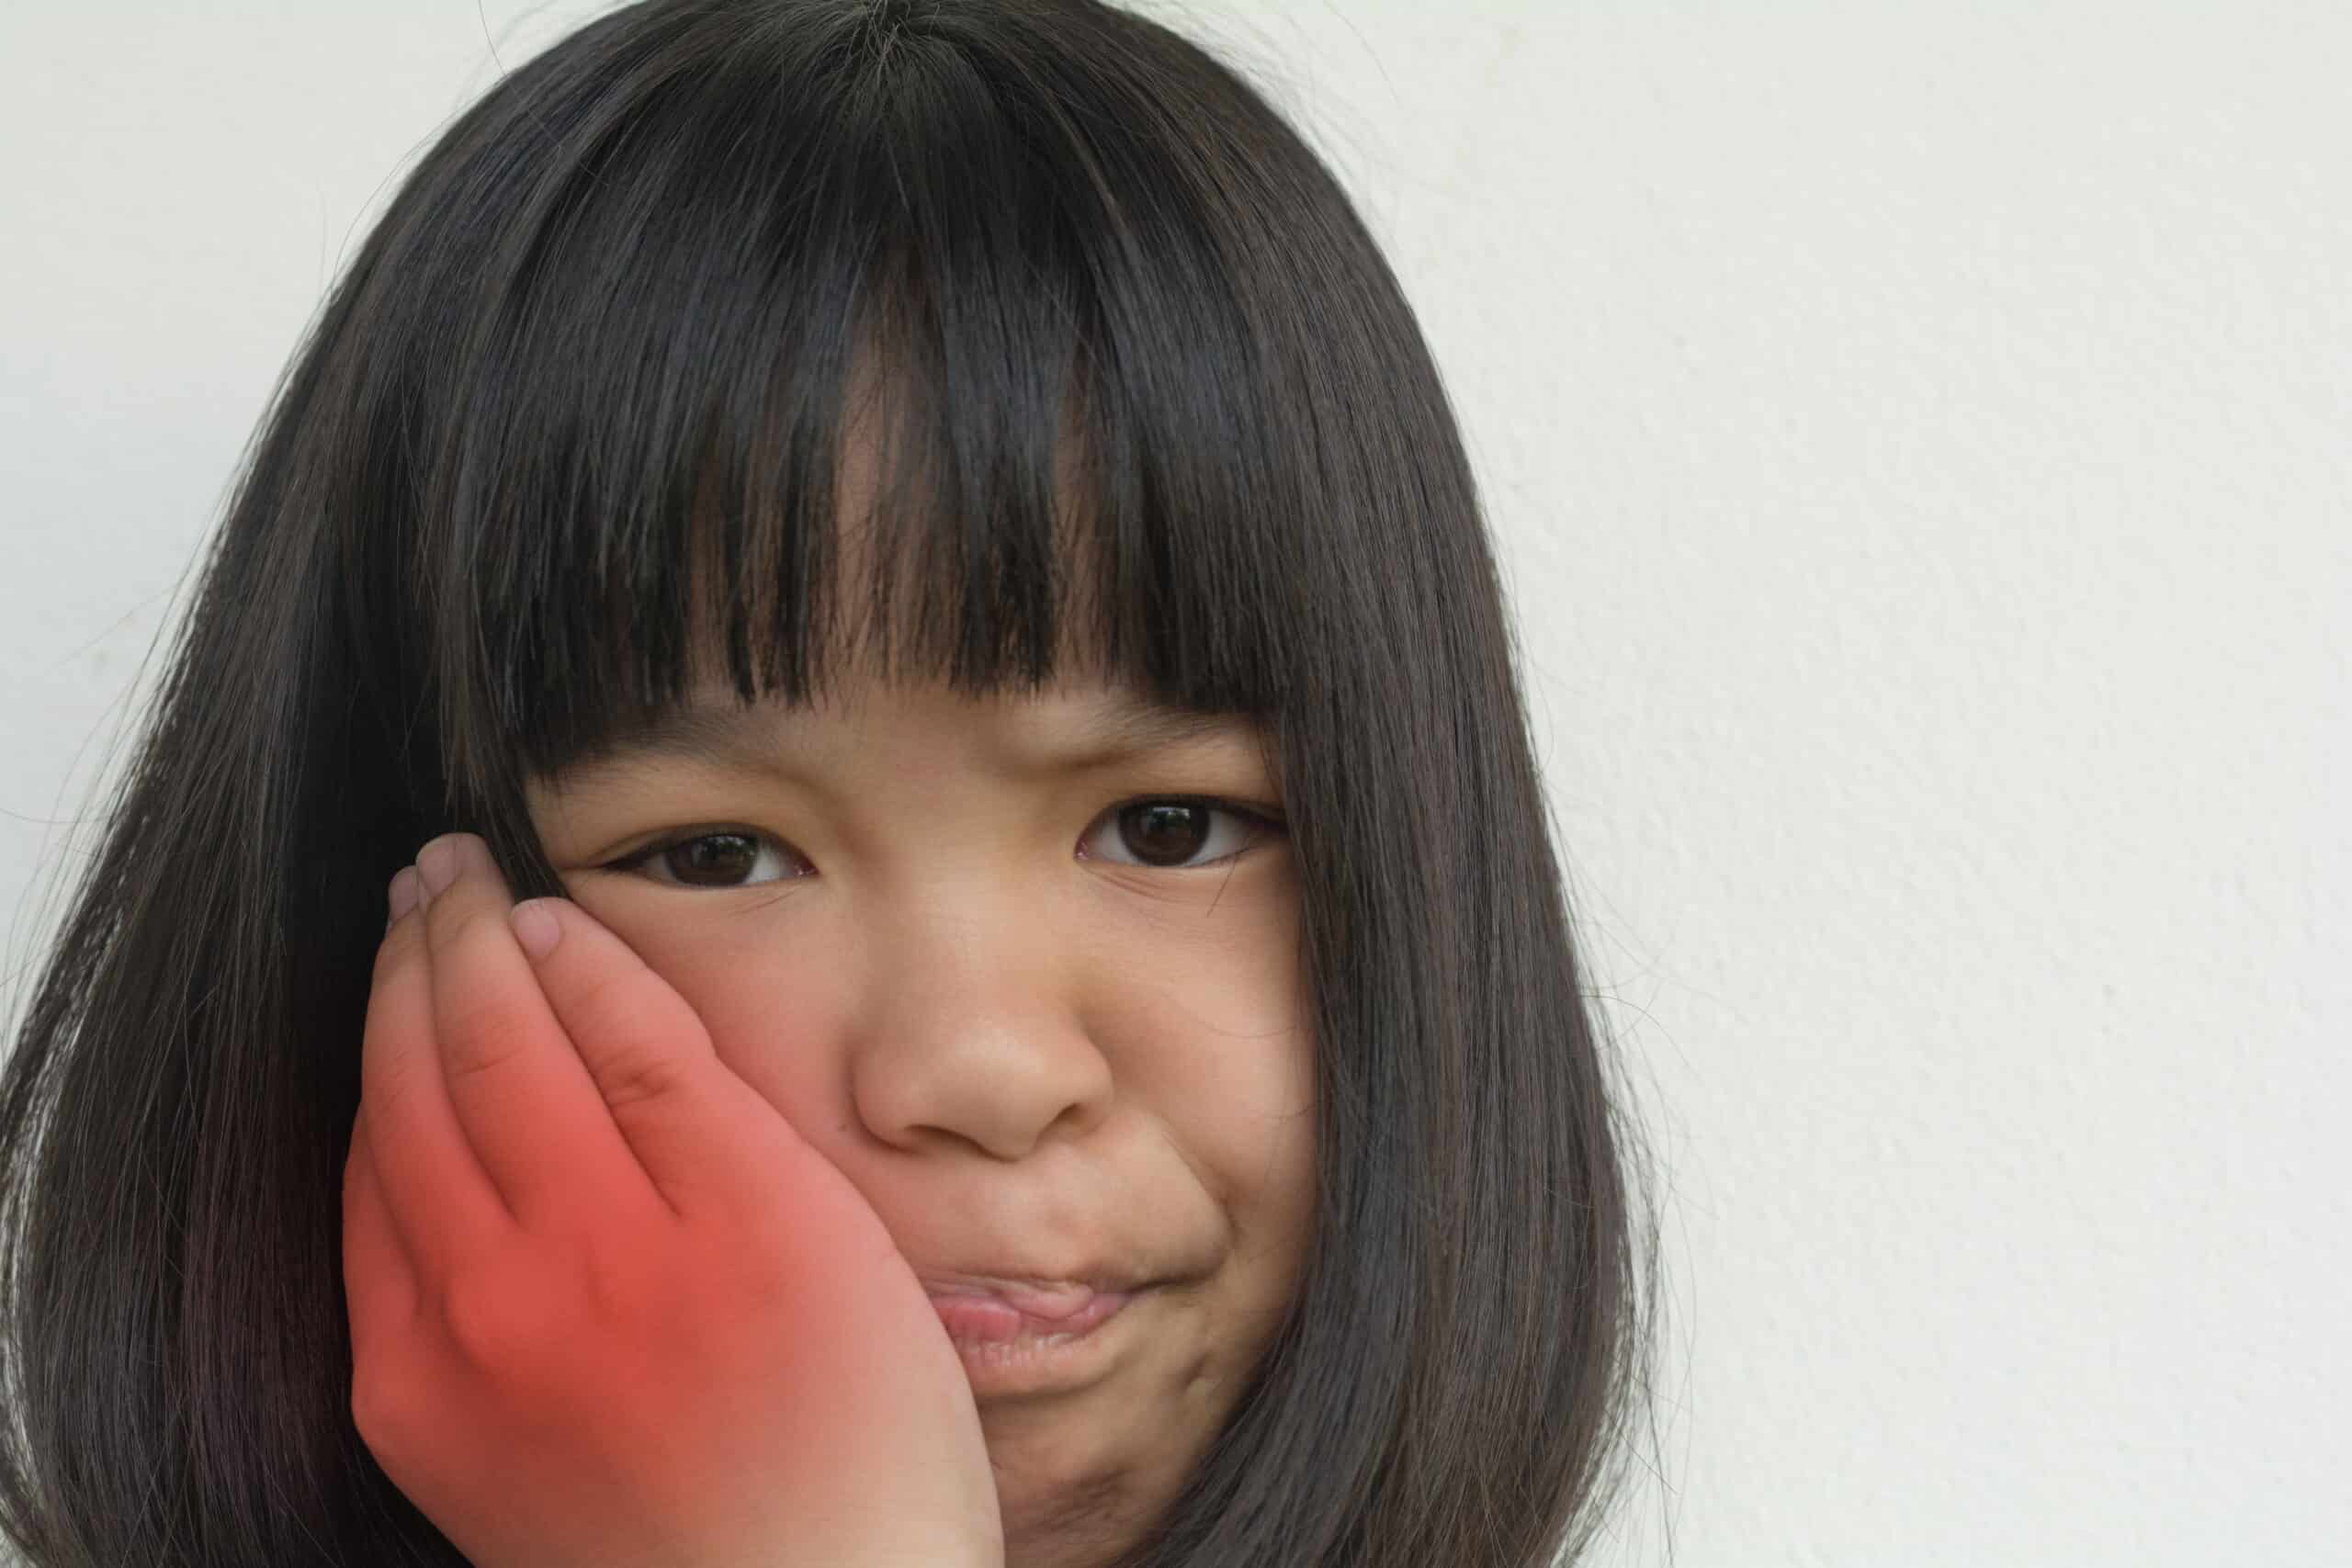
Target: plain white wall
x=1917 y=440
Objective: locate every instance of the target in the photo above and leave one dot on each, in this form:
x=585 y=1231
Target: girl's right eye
x=718 y=858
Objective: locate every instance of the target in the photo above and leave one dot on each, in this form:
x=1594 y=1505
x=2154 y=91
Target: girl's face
x=1006 y=976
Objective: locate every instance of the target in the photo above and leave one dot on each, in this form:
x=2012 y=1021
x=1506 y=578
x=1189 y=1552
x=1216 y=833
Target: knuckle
x=383 y=1097
x=479 y=1319
x=640 y=1072
x=618 y=1028
x=500 y=1326
x=393 y=951
x=624 y=1280
x=381 y=1400
x=603 y=1002
x=481 y=1035
x=444 y=929
x=598 y=999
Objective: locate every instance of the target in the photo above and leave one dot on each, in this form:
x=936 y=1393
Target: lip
x=1007 y=1351
x=994 y=1319
x=1031 y=1292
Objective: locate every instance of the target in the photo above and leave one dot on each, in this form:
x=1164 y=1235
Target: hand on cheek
x=606 y=1305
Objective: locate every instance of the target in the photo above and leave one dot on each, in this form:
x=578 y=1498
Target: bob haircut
x=1153 y=394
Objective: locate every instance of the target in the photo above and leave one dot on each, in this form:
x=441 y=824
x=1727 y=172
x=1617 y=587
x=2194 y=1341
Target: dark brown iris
x=1165 y=832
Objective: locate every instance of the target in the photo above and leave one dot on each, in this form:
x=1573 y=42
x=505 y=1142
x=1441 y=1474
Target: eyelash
x=1261 y=824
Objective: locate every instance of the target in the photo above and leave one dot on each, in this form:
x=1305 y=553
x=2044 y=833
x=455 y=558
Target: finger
x=435 y=1196
x=532 y=1112
x=379 y=1283
x=704 y=1138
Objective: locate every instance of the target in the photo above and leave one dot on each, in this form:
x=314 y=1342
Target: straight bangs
x=766 y=380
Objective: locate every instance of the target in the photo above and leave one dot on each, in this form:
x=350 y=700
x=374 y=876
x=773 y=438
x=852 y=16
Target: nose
x=974 y=1037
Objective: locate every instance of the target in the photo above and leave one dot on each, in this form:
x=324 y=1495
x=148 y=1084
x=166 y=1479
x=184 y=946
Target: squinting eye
x=1164 y=834
x=1167 y=834
x=721 y=859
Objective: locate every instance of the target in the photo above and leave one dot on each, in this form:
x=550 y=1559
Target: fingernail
x=438 y=863
x=404 y=894
x=535 y=927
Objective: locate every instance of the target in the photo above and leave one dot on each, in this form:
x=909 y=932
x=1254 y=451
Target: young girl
x=841 y=867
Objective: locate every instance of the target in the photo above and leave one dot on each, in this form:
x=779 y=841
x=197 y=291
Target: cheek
x=1250 y=1108
x=1228 y=1072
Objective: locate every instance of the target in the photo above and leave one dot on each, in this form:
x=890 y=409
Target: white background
x=1919 y=437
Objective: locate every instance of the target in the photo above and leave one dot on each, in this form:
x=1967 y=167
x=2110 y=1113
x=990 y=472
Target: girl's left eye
x=1164 y=833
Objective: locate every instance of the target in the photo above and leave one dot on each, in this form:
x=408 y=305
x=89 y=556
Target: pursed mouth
x=978 y=1317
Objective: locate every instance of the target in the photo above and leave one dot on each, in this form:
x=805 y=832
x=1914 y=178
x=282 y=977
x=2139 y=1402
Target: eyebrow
x=727 y=737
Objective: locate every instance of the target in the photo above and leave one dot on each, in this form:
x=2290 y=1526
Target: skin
x=1034 y=1046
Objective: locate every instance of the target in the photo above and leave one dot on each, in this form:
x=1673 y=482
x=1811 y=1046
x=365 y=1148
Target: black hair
x=1154 y=397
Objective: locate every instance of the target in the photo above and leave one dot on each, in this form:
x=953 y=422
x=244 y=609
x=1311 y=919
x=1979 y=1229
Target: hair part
x=987 y=340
